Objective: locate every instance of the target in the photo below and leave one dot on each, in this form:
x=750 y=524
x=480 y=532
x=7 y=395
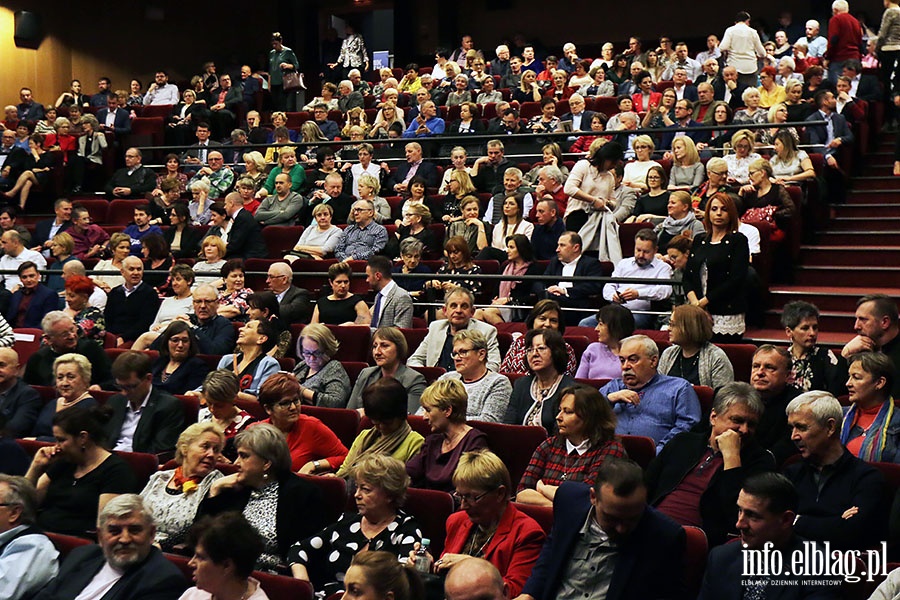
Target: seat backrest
x=705 y=395
x=280 y=239
x=28 y=341
x=355 y=342
x=96 y=208
x=542 y=514
x=640 y=449
x=695 y=552
x=334 y=492
x=65 y=543
x=121 y=212
x=419 y=425
x=353 y=368
x=514 y=444
x=431 y=508
x=431 y=374
x=344 y=422
x=741 y=357
x=414 y=338
x=143 y=465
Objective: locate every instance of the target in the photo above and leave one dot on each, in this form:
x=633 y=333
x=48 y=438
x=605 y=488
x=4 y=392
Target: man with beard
x=639 y=296
x=124 y=566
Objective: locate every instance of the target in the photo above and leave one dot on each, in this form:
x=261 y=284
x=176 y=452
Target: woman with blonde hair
x=738 y=161
x=369 y=187
x=255 y=168
x=323 y=380
x=459 y=185
x=789 y=162
x=551 y=156
x=387 y=115
x=288 y=165
x=416 y=222
x=687 y=172
x=384 y=73
x=199 y=206
x=120 y=245
x=636 y=170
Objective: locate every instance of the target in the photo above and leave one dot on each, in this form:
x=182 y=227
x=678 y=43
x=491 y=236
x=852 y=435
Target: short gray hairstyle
x=553 y=172
x=52 y=318
x=478 y=339
x=21 y=492
x=716 y=163
x=122 y=506
x=650 y=346
x=823 y=405
x=411 y=246
x=269 y=443
x=737 y=392
x=749 y=92
x=840 y=6
x=789 y=61
x=200 y=185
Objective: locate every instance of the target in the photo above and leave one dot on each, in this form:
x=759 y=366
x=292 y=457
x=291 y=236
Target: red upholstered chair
x=334 y=492
x=113 y=353
x=66 y=543
x=254 y=408
x=47 y=392
x=640 y=449
x=741 y=357
x=109 y=340
x=261 y=265
x=529 y=109
x=431 y=508
x=353 y=368
x=145 y=131
x=143 y=465
x=342 y=421
x=504 y=340
x=594 y=383
x=695 y=551
x=414 y=338
x=96 y=208
x=579 y=343
x=513 y=376
x=282 y=587
x=121 y=212
x=103 y=396
x=31 y=446
x=418 y=424
x=191 y=407
x=514 y=444
x=161 y=110
x=280 y=239
x=705 y=395
x=626 y=235
x=542 y=514
x=28 y=341
x=211 y=360
x=431 y=374
x=355 y=342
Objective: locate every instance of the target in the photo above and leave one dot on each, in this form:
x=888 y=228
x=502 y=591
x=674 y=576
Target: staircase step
x=880 y=158
x=826 y=298
x=849 y=256
x=879 y=196
x=858 y=238
x=835 y=322
x=878 y=170
x=874 y=210
x=886 y=182
x=843 y=223
x=852 y=276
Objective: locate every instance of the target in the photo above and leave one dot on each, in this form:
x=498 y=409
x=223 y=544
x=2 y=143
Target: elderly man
x=414 y=166
x=28 y=559
x=19 y=402
x=640 y=296
x=729 y=88
x=161 y=92
x=549 y=227
x=877 y=327
x=76 y=267
x=437 y=348
x=710 y=72
x=393 y=305
x=426 y=124
x=512 y=188
x=333 y=194
x=131 y=307
x=140 y=228
x=631 y=86
x=712 y=50
x=249 y=85
x=695 y=480
x=647 y=403
x=501 y=65
x=577 y=115
x=488 y=171
x=682 y=61
x=706 y=95
x=31 y=300
x=816 y=45
x=134 y=180
x=15 y=254
x=551 y=182
x=770 y=374
x=144 y=419
x=349 y=98
x=124 y=566
x=244 y=238
x=61 y=336
x=28 y=109
x=45 y=230
x=841 y=497
x=683 y=90
x=90 y=240
x=356 y=80
x=742 y=48
x=283 y=206
x=221 y=177
x=293 y=301
x=766 y=513
x=364 y=238
x=608 y=543
x=474 y=579
x=570 y=262
x=215 y=334
x=329 y=128
x=226 y=103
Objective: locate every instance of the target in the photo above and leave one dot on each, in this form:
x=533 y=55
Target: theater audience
x=178 y=368
x=813 y=367
x=251 y=363
x=488 y=392
x=546 y=314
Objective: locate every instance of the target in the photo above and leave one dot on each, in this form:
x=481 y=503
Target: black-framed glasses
x=469 y=498
x=288 y=403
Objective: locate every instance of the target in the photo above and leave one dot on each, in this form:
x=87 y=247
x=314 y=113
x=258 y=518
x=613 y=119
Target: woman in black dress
x=178 y=369
x=340 y=307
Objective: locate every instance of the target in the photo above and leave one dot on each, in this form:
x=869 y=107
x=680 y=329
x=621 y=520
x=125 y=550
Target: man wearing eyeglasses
x=364 y=238
x=61 y=336
x=144 y=418
x=221 y=178
x=215 y=335
x=293 y=302
x=28 y=559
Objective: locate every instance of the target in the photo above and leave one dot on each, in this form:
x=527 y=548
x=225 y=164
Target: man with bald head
x=19 y=402
x=245 y=238
x=132 y=306
x=427 y=123
x=14 y=254
x=133 y=180
x=221 y=177
x=293 y=302
x=332 y=193
x=474 y=579
x=76 y=267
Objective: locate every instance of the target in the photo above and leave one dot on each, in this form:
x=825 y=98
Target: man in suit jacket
x=570 y=262
x=61 y=336
x=767 y=507
x=729 y=89
x=244 y=238
x=333 y=194
x=131 y=307
x=46 y=229
x=684 y=109
x=293 y=302
x=125 y=530
x=249 y=85
x=414 y=166
x=633 y=550
x=32 y=300
x=144 y=419
x=393 y=305
x=348 y=98
x=578 y=116
x=866 y=86
x=19 y=402
x=112 y=118
x=197 y=153
x=827 y=140
x=437 y=347
x=227 y=103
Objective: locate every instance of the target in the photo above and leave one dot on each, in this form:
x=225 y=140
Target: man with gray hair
x=28 y=559
x=842 y=498
x=293 y=302
x=124 y=566
x=647 y=403
x=816 y=45
x=549 y=226
x=364 y=238
x=697 y=477
x=349 y=98
x=332 y=193
x=61 y=336
x=19 y=402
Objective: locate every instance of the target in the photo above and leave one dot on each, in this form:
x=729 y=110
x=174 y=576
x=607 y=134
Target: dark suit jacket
x=20 y=407
x=650 y=561
x=586 y=117
x=141 y=181
x=869 y=89
x=697 y=136
x=42 y=230
x=719 y=93
x=295 y=306
x=587 y=267
x=328 y=128
x=351 y=100
x=129 y=317
x=245 y=239
x=190 y=241
x=154 y=579
x=249 y=87
x=234 y=97
x=690 y=93
x=194 y=150
x=426 y=170
x=162 y=420
x=122 y=124
x=818 y=134
x=43 y=302
x=340 y=207
x=197 y=112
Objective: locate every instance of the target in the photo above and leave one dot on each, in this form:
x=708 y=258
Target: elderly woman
x=551 y=155
x=680 y=219
x=323 y=380
x=691 y=356
x=813 y=367
x=385 y=404
x=739 y=161
x=770 y=92
x=717 y=181
x=182 y=278
x=90 y=319
x=389 y=351
x=72 y=373
x=288 y=165
x=218 y=392
x=279 y=119
x=636 y=171
x=687 y=172
x=200 y=203
x=585 y=422
x=468 y=226
x=463 y=186
x=871 y=428
x=255 y=168
x=767 y=201
x=340 y=307
x=178 y=368
x=226 y=550
x=601 y=359
x=251 y=363
x=789 y=163
x=444 y=403
x=378 y=524
x=233 y=297
x=174 y=495
x=317 y=241
x=599 y=85
x=369 y=187
x=77 y=476
x=120 y=245
x=410 y=262
x=520 y=261
x=280 y=506
x=535 y=397
x=488 y=392
x=328 y=98
x=488 y=525
x=752 y=112
x=546 y=314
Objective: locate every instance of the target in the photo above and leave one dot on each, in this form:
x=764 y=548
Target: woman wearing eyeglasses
x=323 y=380
x=488 y=392
x=488 y=525
x=178 y=369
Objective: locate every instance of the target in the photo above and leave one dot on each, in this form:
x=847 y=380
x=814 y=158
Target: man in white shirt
x=639 y=296
x=742 y=47
x=161 y=92
x=712 y=49
x=28 y=560
x=15 y=253
x=76 y=267
x=682 y=60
